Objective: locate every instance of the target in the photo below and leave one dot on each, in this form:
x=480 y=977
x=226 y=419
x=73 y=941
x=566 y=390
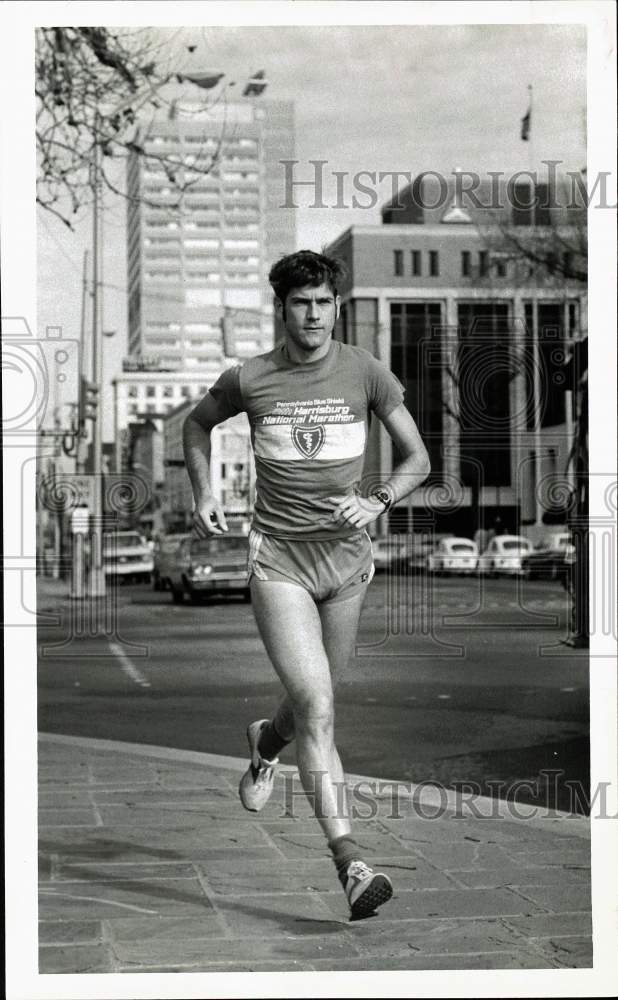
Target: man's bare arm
x=405 y=477
x=415 y=467
x=208 y=517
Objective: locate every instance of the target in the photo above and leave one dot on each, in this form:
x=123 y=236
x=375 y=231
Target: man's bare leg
x=339 y=621
x=295 y=635
x=293 y=631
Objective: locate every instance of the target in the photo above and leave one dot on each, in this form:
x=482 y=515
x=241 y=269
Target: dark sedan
x=550 y=558
x=203 y=567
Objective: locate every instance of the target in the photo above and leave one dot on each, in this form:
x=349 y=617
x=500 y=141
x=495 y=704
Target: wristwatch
x=384 y=495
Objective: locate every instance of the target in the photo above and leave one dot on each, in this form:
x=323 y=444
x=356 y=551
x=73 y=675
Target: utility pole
x=80 y=446
x=97 y=573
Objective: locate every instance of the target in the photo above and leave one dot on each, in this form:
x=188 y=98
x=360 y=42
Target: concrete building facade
x=150 y=396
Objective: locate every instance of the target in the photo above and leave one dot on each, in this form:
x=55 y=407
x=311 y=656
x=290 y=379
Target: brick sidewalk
x=150 y=864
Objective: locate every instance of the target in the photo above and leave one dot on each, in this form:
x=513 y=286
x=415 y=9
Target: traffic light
x=229 y=339
x=88 y=400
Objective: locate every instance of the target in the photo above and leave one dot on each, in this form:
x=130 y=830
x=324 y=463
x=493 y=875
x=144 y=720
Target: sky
x=378 y=98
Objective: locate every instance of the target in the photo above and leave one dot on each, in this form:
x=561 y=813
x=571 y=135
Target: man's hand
x=358 y=511
x=208 y=518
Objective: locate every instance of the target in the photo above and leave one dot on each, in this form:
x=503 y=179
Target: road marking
x=95 y=899
x=444 y=696
x=128 y=667
x=568 y=689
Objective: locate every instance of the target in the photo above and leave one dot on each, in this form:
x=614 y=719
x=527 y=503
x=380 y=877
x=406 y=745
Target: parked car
x=419 y=548
x=454 y=555
x=504 y=554
x=126 y=554
x=388 y=552
x=201 y=567
x=550 y=559
x=165 y=548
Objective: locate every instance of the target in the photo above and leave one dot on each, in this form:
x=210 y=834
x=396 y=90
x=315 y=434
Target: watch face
x=383 y=496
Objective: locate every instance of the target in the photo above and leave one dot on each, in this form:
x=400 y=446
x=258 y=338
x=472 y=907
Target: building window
x=185 y=391
x=416 y=261
x=465 y=263
x=567 y=263
x=416 y=360
x=132 y=392
x=168 y=391
x=484 y=416
x=151 y=391
x=483 y=263
x=500 y=268
x=398 y=263
x=434 y=263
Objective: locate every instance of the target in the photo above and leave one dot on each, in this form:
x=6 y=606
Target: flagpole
x=526 y=135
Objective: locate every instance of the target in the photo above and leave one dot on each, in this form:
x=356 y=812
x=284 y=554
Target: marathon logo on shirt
x=321 y=429
x=308 y=440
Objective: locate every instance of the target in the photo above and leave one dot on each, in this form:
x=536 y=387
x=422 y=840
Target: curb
x=424 y=796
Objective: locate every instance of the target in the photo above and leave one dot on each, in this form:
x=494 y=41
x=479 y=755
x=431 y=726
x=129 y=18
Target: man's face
x=309 y=315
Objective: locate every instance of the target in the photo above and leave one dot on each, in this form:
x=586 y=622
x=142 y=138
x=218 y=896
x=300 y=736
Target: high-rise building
x=198 y=263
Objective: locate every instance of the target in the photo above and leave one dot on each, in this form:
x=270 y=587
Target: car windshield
x=219 y=546
x=128 y=541
x=462 y=547
x=516 y=545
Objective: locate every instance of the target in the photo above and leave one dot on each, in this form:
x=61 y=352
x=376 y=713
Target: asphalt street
x=454 y=681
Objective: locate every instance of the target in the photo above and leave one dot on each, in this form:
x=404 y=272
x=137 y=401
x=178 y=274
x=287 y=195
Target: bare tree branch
x=93 y=88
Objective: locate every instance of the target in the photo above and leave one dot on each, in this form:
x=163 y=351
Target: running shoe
x=257 y=782
x=366 y=889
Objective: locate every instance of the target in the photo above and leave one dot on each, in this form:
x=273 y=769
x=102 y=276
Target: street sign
x=64 y=491
x=81 y=488
x=80 y=520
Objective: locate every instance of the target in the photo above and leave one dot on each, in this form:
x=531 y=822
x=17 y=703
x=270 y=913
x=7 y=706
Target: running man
x=308 y=402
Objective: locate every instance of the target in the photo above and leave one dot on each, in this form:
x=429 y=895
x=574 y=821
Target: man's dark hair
x=304 y=268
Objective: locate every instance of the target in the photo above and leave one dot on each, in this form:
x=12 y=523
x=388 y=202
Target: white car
x=387 y=551
x=504 y=554
x=127 y=554
x=454 y=555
